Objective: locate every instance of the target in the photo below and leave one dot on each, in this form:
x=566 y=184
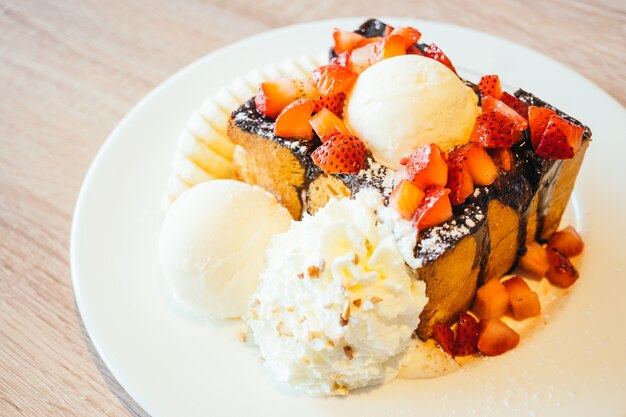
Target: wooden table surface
x=70 y=70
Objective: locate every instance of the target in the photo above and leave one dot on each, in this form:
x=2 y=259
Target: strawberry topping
x=437 y=54
x=293 y=121
x=489 y=85
x=434 y=209
x=445 y=337
x=406 y=198
x=426 y=166
x=345 y=41
x=466 y=336
x=333 y=79
x=503 y=158
x=560 y=140
x=515 y=103
x=459 y=180
x=340 y=154
x=273 y=96
x=494 y=130
x=490 y=104
x=326 y=123
x=538 y=118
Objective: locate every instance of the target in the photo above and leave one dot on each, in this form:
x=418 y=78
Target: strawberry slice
x=538 y=118
x=561 y=271
x=426 y=166
x=345 y=41
x=523 y=301
x=493 y=130
x=273 y=96
x=410 y=35
x=515 y=103
x=434 y=209
x=326 y=123
x=567 y=241
x=495 y=337
x=503 y=158
x=489 y=85
x=333 y=79
x=335 y=103
x=480 y=165
x=293 y=121
x=560 y=140
x=367 y=55
x=340 y=154
x=459 y=180
x=535 y=260
x=406 y=198
x=490 y=104
x=466 y=336
x=340 y=59
x=491 y=300
x=445 y=337
x=437 y=54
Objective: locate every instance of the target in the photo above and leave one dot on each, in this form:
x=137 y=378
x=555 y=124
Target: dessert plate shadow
x=572 y=364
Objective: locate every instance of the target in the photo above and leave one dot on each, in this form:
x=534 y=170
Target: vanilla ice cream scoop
x=212 y=245
x=337 y=304
x=404 y=102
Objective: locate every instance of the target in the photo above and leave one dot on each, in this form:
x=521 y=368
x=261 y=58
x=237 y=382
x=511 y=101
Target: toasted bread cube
x=492 y=300
x=524 y=302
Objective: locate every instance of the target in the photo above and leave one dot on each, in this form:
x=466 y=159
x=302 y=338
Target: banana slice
x=204 y=152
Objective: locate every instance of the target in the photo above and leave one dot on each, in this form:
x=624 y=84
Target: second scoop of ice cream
x=408 y=101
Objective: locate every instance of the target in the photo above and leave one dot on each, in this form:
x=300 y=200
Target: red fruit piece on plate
x=406 y=198
x=369 y=54
x=459 y=179
x=345 y=41
x=561 y=271
x=480 y=165
x=491 y=301
x=445 y=337
x=410 y=35
x=326 y=123
x=560 y=140
x=538 y=118
x=466 y=335
x=495 y=337
x=340 y=154
x=535 y=260
x=490 y=104
x=503 y=158
x=293 y=121
x=489 y=85
x=567 y=241
x=434 y=209
x=332 y=79
x=515 y=103
x=334 y=103
x=493 y=130
x=426 y=166
x=273 y=96
x=524 y=302
x=437 y=54
x=340 y=59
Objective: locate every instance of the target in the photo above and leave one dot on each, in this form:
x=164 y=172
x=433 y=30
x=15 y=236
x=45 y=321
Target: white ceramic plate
x=173 y=367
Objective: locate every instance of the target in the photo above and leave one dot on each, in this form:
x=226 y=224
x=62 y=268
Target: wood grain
x=70 y=70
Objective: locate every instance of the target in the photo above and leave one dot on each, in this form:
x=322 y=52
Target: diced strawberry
x=414 y=50
x=426 y=166
x=434 y=209
x=406 y=198
x=367 y=41
x=326 y=123
x=437 y=54
x=567 y=241
x=345 y=41
x=495 y=337
x=445 y=337
x=560 y=140
x=409 y=34
x=340 y=154
x=561 y=271
x=334 y=103
x=333 y=79
x=535 y=260
x=489 y=85
x=524 y=302
x=367 y=55
x=293 y=121
x=466 y=336
x=538 y=118
x=480 y=165
x=493 y=130
x=515 y=103
x=503 y=158
x=459 y=179
x=493 y=104
x=492 y=300
x=273 y=96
